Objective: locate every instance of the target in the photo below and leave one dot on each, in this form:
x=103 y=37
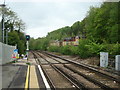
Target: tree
x=100 y=26
x=12 y=21
x=102 y=23
x=17 y=38
x=15 y=27
x=76 y=28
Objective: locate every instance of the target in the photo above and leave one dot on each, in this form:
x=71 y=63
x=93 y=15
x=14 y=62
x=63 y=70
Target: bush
x=113 y=49
x=83 y=49
x=74 y=50
x=66 y=50
x=95 y=48
x=69 y=50
x=116 y=49
x=87 y=48
x=54 y=49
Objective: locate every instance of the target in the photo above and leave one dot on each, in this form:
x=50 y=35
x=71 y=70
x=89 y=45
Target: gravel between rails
x=96 y=76
x=58 y=80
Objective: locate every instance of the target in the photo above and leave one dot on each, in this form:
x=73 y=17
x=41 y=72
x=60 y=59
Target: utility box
x=117 y=62
x=103 y=59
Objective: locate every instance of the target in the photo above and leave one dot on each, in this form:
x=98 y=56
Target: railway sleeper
x=78 y=83
x=103 y=86
x=87 y=67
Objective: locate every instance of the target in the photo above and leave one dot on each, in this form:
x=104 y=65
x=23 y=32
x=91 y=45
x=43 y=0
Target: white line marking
x=44 y=79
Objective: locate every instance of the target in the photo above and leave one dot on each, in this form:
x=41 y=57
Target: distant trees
x=17 y=38
x=15 y=27
x=102 y=23
x=39 y=44
x=12 y=21
x=100 y=27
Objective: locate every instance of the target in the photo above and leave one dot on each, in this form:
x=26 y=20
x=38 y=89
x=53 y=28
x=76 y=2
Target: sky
x=45 y=16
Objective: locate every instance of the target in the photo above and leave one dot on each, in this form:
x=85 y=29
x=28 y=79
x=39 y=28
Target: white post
x=117 y=62
x=27 y=43
x=103 y=59
x=1 y=77
x=15 y=46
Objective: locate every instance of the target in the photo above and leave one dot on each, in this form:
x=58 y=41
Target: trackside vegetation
x=15 y=28
x=100 y=26
x=87 y=49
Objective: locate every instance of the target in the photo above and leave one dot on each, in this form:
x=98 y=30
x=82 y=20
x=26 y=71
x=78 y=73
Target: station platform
x=33 y=80
x=14 y=74
x=23 y=74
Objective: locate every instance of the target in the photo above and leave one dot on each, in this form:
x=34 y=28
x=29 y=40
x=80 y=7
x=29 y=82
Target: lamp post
x=3 y=5
x=7 y=36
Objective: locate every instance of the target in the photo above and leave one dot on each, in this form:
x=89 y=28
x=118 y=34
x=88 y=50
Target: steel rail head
x=85 y=66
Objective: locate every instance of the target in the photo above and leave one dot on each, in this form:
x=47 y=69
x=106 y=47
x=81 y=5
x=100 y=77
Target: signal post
x=27 y=44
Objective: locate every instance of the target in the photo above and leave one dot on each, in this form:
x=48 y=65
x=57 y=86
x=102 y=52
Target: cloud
x=46 y=17
x=36 y=32
x=53 y=0
x=63 y=0
x=42 y=31
x=43 y=17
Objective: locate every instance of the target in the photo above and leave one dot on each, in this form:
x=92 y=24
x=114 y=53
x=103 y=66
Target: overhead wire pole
x=4 y=25
x=3 y=5
x=0 y=27
x=6 y=36
x=6 y=29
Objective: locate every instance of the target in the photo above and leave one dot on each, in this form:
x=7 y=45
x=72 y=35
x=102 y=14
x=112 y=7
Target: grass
x=28 y=63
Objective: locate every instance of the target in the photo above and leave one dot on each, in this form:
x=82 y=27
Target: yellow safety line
x=27 y=78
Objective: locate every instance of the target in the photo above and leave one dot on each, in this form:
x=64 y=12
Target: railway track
x=55 y=78
x=115 y=77
x=79 y=75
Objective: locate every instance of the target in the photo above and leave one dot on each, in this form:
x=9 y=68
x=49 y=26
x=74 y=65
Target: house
x=67 y=41
x=55 y=43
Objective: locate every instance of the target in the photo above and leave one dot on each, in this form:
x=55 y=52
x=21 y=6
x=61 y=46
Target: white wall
x=6 y=52
x=0 y=77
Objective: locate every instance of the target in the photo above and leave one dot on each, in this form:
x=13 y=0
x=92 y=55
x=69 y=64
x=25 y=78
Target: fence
x=6 y=52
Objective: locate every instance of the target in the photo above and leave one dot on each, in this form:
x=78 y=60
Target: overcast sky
x=45 y=16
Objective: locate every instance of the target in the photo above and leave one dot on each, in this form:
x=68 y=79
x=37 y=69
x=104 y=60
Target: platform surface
x=33 y=78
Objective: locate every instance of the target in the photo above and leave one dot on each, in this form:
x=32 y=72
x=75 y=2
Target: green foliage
x=74 y=50
x=28 y=63
x=12 y=21
x=100 y=27
x=83 y=49
x=54 y=49
x=102 y=23
x=66 y=50
x=39 y=44
x=113 y=49
x=87 y=48
x=17 y=38
x=95 y=48
x=116 y=49
x=15 y=27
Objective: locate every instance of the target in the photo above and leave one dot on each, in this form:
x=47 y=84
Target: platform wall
x=6 y=52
